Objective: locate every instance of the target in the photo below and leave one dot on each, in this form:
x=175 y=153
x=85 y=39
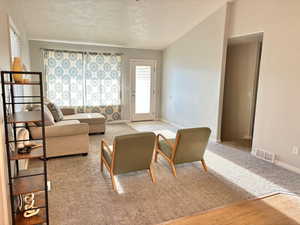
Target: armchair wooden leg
x=101 y=165
x=155 y=156
x=173 y=168
x=152 y=174
x=204 y=165
x=113 y=181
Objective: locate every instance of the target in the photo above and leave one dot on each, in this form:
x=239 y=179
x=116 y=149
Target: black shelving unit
x=32 y=180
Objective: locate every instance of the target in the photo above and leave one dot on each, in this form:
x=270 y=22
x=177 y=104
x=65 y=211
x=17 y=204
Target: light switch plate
x=295 y=150
x=49 y=185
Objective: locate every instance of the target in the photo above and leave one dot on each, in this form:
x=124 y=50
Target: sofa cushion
x=68 y=111
x=56 y=112
x=49 y=120
x=66 y=122
x=61 y=130
x=90 y=118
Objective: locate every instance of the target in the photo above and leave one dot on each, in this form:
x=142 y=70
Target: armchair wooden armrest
x=166 y=140
x=169 y=158
x=106 y=155
x=107 y=160
x=105 y=146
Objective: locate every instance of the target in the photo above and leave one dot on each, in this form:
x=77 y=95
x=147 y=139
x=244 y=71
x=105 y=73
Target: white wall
x=277 y=125
x=129 y=53
x=192 y=75
x=4 y=64
x=13 y=9
x=192 y=68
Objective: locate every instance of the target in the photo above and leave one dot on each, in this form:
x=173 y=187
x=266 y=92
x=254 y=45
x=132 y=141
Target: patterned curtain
x=103 y=84
x=64 y=78
x=86 y=82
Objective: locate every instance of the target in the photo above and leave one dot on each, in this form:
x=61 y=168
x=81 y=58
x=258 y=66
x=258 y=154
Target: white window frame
x=132 y=63
x=13 y=29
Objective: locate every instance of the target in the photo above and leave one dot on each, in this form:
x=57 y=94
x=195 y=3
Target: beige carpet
x=82 y=195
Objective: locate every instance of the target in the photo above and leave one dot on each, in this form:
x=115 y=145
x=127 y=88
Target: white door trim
x=132 y=62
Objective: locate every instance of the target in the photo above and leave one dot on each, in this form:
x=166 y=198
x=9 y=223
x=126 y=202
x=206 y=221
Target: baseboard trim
x=287 y=166
x=211 y=139
x=171 y=123
x=247 y=137
x=117 y=121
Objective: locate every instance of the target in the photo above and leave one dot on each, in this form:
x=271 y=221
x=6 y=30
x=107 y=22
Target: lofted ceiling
x=149 y=24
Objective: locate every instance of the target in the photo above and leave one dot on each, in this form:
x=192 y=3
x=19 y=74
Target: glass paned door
x=143 y=90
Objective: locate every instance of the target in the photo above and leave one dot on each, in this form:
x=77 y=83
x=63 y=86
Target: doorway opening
x=240 y=90
x=143 y=90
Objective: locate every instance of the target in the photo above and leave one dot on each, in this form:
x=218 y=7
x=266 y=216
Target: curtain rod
x=83 y=52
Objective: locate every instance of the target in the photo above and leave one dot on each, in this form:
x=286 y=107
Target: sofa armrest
x=68 y=111
x=61 y=130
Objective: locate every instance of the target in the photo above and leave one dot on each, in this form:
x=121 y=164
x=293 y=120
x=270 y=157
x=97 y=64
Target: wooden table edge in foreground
x=274 y=209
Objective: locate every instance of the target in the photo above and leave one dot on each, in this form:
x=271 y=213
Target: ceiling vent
x=264 y=155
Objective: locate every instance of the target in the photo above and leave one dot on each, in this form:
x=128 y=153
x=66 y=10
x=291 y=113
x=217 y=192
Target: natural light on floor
x=166 y=133
x=245 y=179
x=119 y=187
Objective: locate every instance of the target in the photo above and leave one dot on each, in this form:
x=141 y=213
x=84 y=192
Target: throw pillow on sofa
x=56 y=112
x=49 y=120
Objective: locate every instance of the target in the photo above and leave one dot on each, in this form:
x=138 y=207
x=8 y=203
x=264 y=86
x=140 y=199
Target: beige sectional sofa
x=64 y=138
x=96 y=121
x=71 y=135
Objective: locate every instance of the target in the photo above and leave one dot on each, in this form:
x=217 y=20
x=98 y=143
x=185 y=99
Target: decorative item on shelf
x=19 y=201
x=30 y=209
x=17 y=66
x=26 y=205
x=24 y=145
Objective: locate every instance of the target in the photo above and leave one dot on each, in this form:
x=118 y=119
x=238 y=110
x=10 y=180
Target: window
x=87 y=81
x=64 y=78
x=142 y=89
x=102 y=77
x=15 y=44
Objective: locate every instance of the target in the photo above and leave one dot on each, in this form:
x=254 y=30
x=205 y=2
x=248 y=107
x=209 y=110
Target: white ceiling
x=150 y=24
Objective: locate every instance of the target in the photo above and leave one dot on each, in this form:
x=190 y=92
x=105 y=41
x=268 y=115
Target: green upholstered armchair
x=129 y=153
x=189 y=146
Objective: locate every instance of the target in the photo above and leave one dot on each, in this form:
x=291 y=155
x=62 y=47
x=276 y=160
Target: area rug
x=82 y=195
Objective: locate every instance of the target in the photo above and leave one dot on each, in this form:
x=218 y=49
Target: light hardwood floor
x=278 y=209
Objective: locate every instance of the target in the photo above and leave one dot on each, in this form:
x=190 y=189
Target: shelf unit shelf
x=13 y=83
x=35 y=220
x=26 y=185
x=25 y=117
x=30 y=172
x=39 y=203
x=35 y=153
x=33 y=180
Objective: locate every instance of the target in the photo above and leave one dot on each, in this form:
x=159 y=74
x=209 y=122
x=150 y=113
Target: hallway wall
x=192 y=75
x=277 y=121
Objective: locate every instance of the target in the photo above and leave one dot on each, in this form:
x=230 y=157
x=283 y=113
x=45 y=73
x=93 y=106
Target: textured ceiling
x=150 y=24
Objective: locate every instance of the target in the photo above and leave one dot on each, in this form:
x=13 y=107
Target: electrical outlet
x=49 y=185
x=295 y=150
